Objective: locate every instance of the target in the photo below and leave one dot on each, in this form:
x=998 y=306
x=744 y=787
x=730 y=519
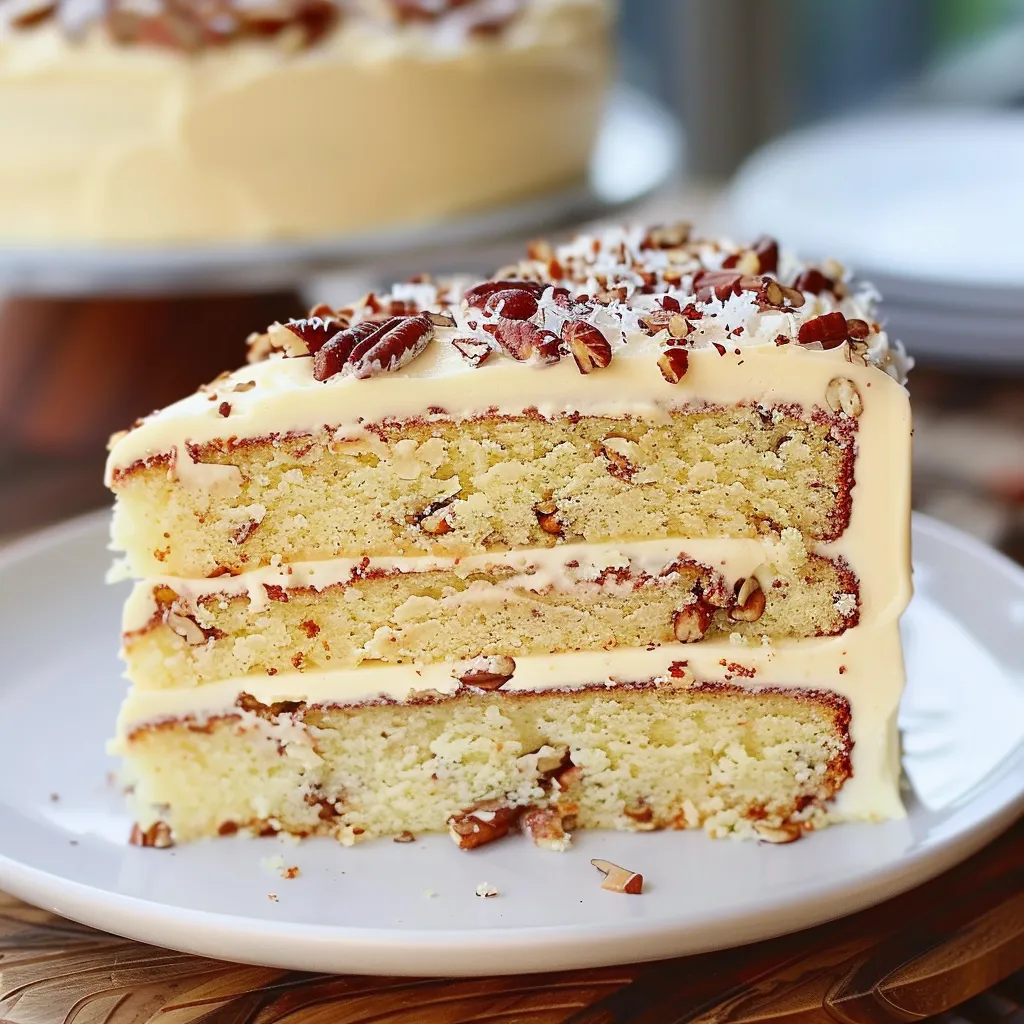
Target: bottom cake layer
x=477 y=764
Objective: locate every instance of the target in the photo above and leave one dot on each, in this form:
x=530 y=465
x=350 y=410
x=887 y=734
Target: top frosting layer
x=642 y=298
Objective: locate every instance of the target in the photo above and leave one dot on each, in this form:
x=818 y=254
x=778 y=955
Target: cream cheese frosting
x=249 y=141
x=740 y=350
x=858 y=666
x=565 y=567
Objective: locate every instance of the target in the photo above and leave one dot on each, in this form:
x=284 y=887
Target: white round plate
x=386 y=908
x=638 y=147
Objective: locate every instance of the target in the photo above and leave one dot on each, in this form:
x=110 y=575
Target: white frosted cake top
x=608 y=324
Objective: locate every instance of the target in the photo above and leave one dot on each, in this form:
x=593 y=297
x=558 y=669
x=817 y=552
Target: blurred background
x=889 y=133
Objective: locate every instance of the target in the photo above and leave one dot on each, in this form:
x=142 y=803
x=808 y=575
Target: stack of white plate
x=928 y=206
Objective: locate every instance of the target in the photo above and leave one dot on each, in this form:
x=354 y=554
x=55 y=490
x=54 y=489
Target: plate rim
x=498 y=950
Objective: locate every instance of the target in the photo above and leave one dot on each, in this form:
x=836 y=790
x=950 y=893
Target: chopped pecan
x=767 y=251
x=841 y=395
x=512 y=304
x=692 y=621
x=439 y=319
x=673 y=364
x=814 y=282
x=587 y=345
x=618 y=879
x=659 y=320
x=546 y=827
x=314 y=331
x=666 y=236
x=547 y=518
x=482 y=824
x=478 y=295
x=474 y=350
x=522 y=340
x=829 y=330
x=617 y=451
x=787 y=832
x=857 y=330
x=750 y=601
x=641 y=813
x=487 y=672
x=158 y=836
x=716 y=284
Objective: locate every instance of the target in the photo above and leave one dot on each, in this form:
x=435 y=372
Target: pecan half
x=750 y=601
x=487 y=672
x=692 y=621
x=618 y=879
x=587 y=345
x=396 y=342
x=829 y=330
x=673 y=364
x=331 y=357
x=482 y=824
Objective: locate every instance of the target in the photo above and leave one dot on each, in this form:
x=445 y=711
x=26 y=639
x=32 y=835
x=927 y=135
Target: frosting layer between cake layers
x=740 y=342
x=862 y=664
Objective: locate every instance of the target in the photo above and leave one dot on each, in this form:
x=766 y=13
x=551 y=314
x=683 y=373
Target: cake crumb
x=429 y=893
x=486 y=890
x=279 y=866
x=273 y=896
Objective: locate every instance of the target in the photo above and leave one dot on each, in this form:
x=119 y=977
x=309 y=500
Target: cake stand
x=92 y=337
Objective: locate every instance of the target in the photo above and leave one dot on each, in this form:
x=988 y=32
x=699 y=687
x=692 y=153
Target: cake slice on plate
x=617 y=539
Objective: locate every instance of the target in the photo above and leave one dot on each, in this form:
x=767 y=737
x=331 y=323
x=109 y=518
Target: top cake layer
x=725 y=382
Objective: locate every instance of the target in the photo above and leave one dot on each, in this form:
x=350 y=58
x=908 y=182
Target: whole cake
x=617 y=539
x=147 y=121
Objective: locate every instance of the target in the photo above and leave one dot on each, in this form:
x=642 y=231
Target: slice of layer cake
x=618 y=539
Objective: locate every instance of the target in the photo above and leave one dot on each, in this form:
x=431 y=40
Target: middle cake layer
x=347 y=612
